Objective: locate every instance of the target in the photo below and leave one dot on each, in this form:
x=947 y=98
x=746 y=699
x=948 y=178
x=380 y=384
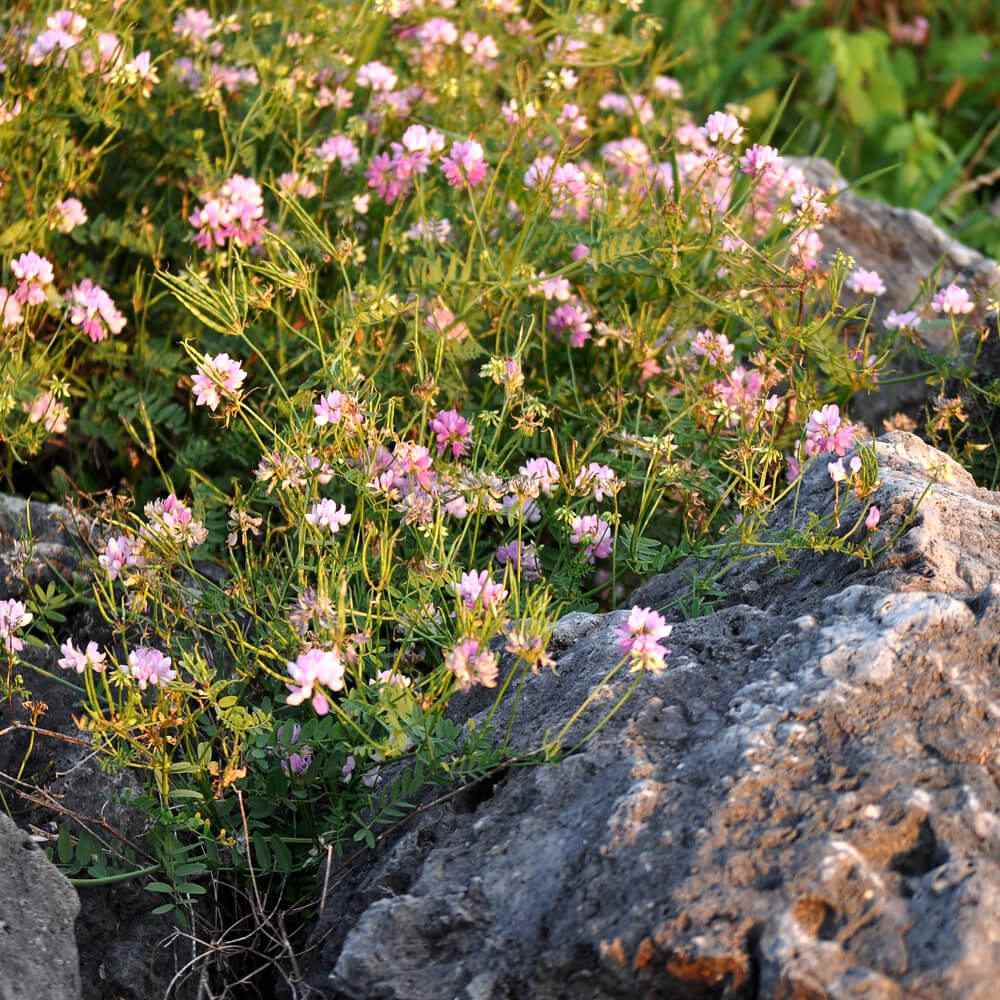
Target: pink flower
x=150 y=666
x=827 y=431
x=668 y=88
x=336 y=407
x=327 y=514
x=63 y=32
x=313 y=670
x=298 y=761
x=48 y=411
x=472 y=664
x=639 y=638
x=119 y=552
x=600 y=479
x=556 y=287
x=13 y=617
x=865 y=282
x=452 y=431
x=739 y=390
x=902 y=321
x=479 y=589
x=630 y=157
x=79 y=660
x=914 y=32
x=762 y=162
x=837 y=471
x=580 y=252
x=593 y=533
x=465 y=165
x=141 y=72
x=218 y=377
x=70 y=214
x=873 y=518
x=34 y=274
x=194 y=25
x=715 y=347
x=172 y=520
x=444 y=322
x=524 y=559
x=91 y=309
x=339 y=149
x=414 y=462
x=382 y=177
x=543 y=472
x=722 y=126
x=296 y=185
x=952 y=301
x=235 y=212
x=377 y=76
x=572 y=318
x=806 y=245
x=10 y=310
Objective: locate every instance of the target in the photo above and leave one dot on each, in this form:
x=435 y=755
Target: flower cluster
x=639 y=638
x=234 y=212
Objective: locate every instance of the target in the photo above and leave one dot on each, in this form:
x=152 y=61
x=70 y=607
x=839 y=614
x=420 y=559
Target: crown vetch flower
x=594 y=534
x=720 y=126
x=92 y=309
x=472 y=664
x=327 y=514
x=523 y=557
x=452 y=431
x=218 y=377
x=13 y=617
x=865 y=282
x=79 y=660
x=639 y=638
x=827 y=431
x=479 y=589
x=50 y=412
x=599 y=479
x=311 y=672
x=70 y=213
x=34 y=275
x=149 y=666
x=119 y=552
x=953 y=300
x=170 y=519
x=465 y=164
x=10 y=310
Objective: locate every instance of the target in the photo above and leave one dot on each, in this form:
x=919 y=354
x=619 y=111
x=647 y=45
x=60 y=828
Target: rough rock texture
x=38 y=958
x=37 y=542
x=805 y=804
x=907 y=249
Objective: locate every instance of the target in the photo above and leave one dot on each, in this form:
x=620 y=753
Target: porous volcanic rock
x=38 y=957
x=804 y=804
x=913 y=256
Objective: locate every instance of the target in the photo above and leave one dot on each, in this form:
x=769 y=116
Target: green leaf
x=64 y=845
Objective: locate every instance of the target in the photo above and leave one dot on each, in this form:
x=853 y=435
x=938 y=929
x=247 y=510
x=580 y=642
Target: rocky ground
x=804 y=804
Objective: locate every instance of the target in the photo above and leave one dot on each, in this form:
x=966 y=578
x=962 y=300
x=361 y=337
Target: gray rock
x=804 y=804
x=909 y=251
x=39 y=542
x=38 y=957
